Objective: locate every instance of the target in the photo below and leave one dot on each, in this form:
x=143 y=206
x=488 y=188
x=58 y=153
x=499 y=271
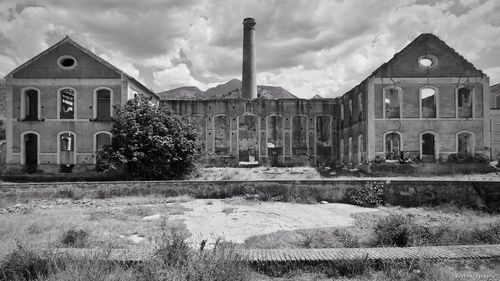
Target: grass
x=101 y=224
x=107 y=222
x=393 y=226
x=173 y=260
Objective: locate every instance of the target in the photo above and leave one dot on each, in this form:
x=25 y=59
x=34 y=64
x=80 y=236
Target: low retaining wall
x=396 y=192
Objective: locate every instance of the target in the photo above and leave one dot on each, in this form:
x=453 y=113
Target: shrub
x=393 y=230
x=150 y=142
x=24 y=264
x=347 y=239
x=75 y=238
x=173 y=251
x=370 y=195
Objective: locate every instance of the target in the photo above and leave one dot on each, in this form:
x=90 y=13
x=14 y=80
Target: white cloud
x=308 y=47
x=176 y=76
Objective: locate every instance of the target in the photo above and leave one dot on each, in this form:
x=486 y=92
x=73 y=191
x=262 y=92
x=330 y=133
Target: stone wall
x=278 y=132
x=401 y=192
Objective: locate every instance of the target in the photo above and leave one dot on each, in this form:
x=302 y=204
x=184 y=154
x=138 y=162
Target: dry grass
x=448 y=225
x=108 y=222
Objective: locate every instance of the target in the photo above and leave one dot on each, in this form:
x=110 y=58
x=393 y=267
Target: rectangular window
x=428 y=103
x=67 y=110
x=67 y=142
x=391 y=101
x=464 y=103
x=103 y=105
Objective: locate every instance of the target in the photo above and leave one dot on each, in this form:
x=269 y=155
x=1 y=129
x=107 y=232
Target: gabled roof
x=67 y=39
x=425 y=37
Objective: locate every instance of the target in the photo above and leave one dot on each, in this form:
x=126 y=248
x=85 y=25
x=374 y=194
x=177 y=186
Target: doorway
x=428 y=147
x=30 y=152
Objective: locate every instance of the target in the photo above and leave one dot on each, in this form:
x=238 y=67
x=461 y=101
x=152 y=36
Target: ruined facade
x=59 y=108
x=425 y=104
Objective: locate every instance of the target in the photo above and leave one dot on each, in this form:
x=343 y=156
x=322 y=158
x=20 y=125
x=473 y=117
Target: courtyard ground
x=310 y=173
x=140 y=222
x=137 y=222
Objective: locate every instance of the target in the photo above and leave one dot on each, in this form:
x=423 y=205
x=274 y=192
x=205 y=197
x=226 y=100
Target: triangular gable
x=89 y=65
x=449 y=62
x=44 y=65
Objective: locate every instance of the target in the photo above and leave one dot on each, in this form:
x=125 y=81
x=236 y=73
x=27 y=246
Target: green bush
x=370 y=195
x=150 y=142
x=393 y=230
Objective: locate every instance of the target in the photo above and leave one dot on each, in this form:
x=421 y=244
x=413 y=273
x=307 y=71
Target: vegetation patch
x=76 y=238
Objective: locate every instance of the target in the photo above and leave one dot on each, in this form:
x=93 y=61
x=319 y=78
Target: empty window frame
x=360 y=106
x=349 y=156
x=392 y=103
x=360 y=149
x=465 y=144
x=102 y=105
x=67 y=103
x=428 y=102
x=392 y=145
x=464 y=103
x=67 y=142
x=342 y=150
x=30 y=107
x=350 y=110
x=341 y=111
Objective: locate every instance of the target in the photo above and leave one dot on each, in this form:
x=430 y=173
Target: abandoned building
x=425 y=103
x=59 y=108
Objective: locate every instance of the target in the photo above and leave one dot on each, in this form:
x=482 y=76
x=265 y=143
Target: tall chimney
x=249 y=73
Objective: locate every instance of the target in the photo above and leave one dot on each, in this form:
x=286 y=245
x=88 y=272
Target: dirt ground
x=237 y=219
x=310 y=173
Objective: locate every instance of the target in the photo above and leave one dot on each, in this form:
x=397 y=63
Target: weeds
x=75 y=238
x=24 y=264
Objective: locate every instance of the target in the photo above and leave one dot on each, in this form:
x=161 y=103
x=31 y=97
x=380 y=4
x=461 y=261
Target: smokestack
x=249 y=73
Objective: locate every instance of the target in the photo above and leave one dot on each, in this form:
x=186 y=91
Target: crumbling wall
x=278 y=132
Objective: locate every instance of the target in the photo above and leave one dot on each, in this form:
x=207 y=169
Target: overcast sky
x=308 y=47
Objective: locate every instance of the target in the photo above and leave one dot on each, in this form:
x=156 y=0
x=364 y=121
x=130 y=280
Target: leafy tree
x=150 y=142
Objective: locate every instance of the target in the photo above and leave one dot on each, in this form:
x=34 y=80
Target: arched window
x=464 y=103
x=102 y=105
x=30 y=105
x=67 y=103
x=67 y=148
x=392 y=145
x=428 y=100
x=102 y=139
x=392 y=103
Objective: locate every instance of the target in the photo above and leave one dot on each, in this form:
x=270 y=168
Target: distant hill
x=228 y=90
x=182 y=93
